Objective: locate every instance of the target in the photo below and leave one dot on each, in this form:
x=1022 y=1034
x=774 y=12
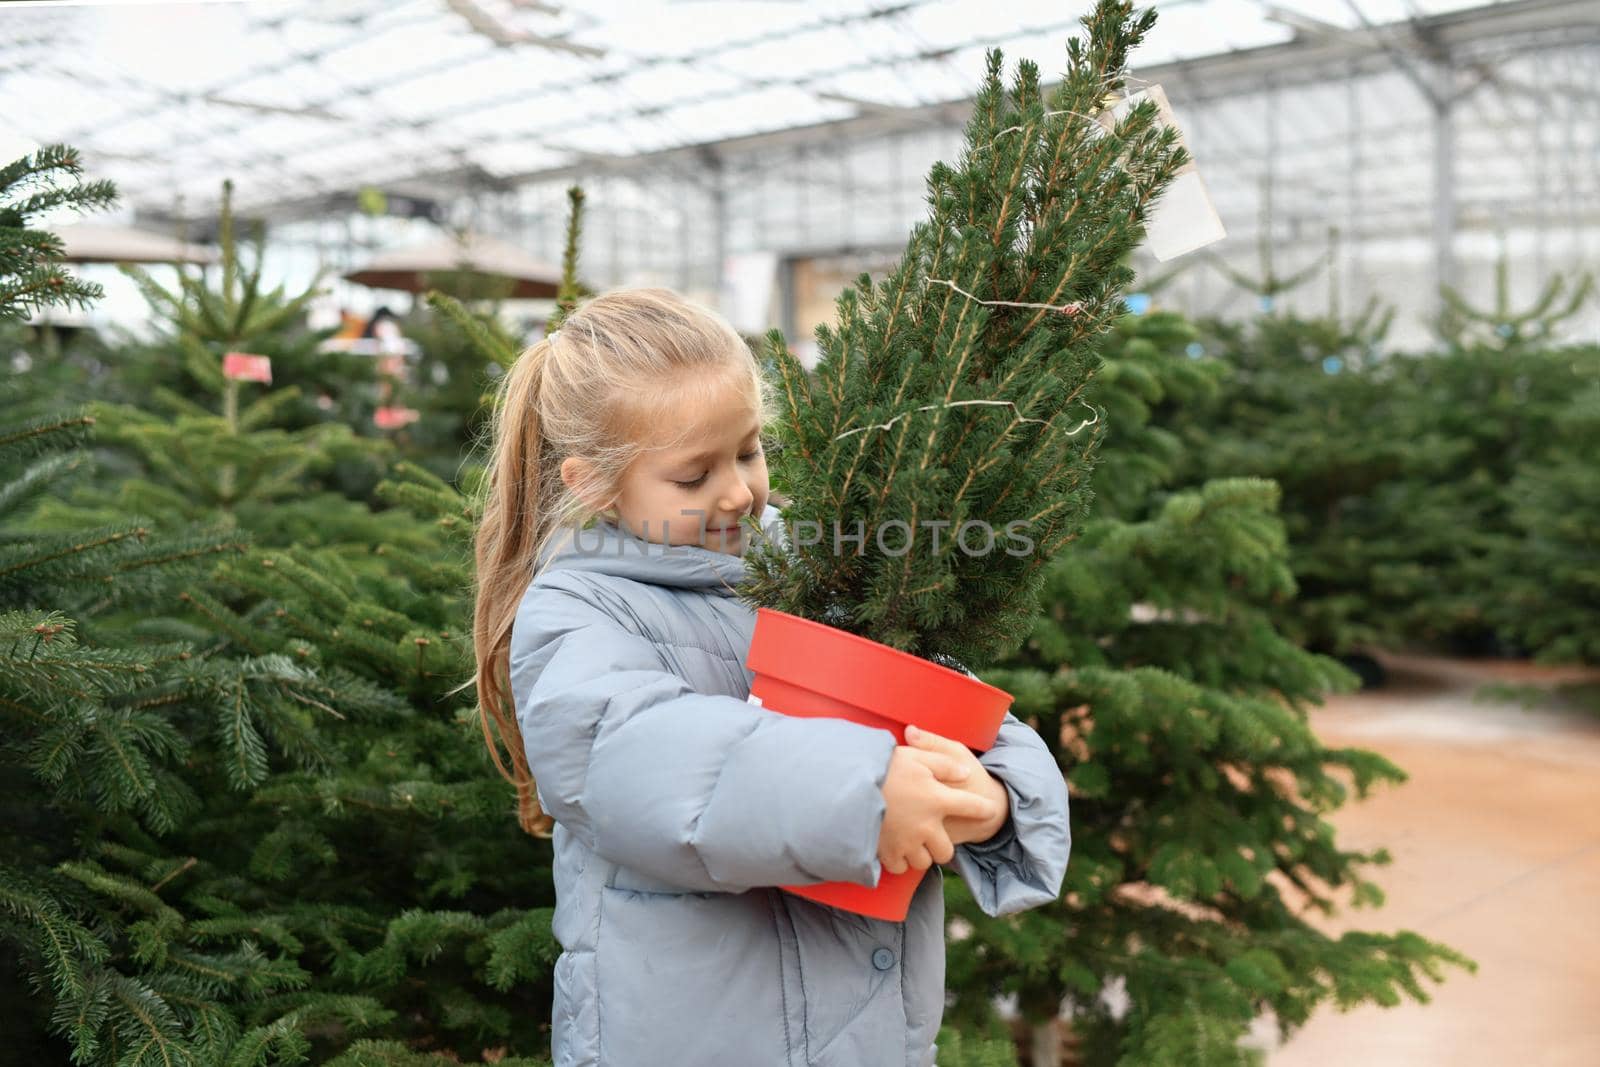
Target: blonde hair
x=619 y=364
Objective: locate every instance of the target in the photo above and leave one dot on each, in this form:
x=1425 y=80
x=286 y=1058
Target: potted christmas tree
x=938 y=457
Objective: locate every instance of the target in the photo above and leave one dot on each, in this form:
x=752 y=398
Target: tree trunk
x=1048 y=1044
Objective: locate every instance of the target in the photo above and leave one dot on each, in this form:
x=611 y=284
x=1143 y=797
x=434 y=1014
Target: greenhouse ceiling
x=304 y=103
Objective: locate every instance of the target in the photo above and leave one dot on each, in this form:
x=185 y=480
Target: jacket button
x=882 y=959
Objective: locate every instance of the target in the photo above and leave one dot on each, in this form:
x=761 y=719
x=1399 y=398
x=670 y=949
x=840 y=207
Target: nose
x=738 y=496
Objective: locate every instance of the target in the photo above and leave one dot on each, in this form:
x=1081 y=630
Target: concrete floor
x=1496 y=845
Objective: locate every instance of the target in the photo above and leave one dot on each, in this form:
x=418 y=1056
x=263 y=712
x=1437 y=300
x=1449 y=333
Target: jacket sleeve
x=707 y=792
x=1022 y=865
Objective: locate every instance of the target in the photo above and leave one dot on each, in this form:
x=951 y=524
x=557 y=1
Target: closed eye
x=747 y=457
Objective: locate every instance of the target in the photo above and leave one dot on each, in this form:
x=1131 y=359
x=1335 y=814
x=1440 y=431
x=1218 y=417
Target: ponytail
x=512 y=513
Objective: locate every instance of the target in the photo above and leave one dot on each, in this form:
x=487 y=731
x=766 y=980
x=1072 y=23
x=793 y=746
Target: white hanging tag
x=1183 y=219
x=753 y=699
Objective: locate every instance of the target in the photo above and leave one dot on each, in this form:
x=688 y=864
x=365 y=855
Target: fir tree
x=1296 y=402
x=392 y=868
x=216 y=449
x=34 y=278
x=1397 y=472
x=449 y=950
x=1199 y=792
x=349 y=837
x=451 y=377
x=959 y=1048
x=211 y=311
x=31 y=274
x=953 y=392
x=95 y=766
x=1549 y=592
x=1462 y=325
x=957 y=389
x=95 y=771
x=268 y=832
x=1147 y=373
x=1268 y=285
x=1462 y=425
x=571 y=289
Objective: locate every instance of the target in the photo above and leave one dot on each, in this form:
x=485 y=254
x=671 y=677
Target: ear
x=578 y=474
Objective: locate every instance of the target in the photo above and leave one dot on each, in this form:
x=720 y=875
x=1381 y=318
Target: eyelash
x=697 y=481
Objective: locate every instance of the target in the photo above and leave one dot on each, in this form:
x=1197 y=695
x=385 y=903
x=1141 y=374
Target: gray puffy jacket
x=677 y=802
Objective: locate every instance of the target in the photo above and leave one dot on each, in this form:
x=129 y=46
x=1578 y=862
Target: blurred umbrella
x=409 y=268
x=99 y=243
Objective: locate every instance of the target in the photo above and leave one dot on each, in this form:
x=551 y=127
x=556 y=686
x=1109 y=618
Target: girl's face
x=695 y=492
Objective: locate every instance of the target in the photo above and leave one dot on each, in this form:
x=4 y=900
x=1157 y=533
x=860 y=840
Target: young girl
x=611 y=659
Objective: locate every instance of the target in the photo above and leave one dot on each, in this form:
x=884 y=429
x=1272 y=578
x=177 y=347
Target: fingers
x=946 y=768
x=964 y=805
x=940 y=848
x=929 y=741
x=913 y=858
x=936 y=846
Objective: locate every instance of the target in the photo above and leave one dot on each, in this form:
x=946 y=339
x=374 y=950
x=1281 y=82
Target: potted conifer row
x=938 y=457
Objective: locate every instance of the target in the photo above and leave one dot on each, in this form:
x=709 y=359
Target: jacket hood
x=605 y=548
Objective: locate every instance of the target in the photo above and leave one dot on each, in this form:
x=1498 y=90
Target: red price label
x=244 y=367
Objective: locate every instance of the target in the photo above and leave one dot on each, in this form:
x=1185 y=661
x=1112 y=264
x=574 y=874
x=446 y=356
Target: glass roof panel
x=1202 y=29
x=665 y=82
x=696 y=26
x=295 y=94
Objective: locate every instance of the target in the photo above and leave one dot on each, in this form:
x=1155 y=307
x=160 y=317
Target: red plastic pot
x=813 y=670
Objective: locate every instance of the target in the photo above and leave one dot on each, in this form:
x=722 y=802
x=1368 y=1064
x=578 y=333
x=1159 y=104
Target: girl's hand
x=918 y=807
x=972 y=776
